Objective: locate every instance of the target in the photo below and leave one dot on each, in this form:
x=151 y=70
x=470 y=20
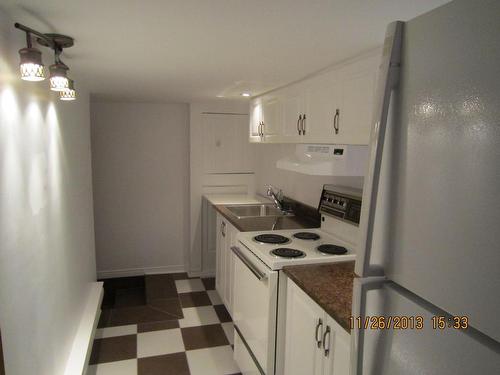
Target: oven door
x=254 y=308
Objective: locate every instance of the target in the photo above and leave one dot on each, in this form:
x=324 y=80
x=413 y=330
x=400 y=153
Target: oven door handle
x=258 y=273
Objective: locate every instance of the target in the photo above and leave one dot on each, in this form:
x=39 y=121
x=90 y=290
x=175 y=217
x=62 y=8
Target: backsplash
x=303 y=188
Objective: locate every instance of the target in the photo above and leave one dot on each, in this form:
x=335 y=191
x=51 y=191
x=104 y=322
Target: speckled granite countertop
x=329 y=285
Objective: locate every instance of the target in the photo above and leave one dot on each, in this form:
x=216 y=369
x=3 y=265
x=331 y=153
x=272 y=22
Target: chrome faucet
x=276 y=197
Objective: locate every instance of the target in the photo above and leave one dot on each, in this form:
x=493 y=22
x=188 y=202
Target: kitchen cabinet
x=315 y=343
x=224 y=268
x=333 y=107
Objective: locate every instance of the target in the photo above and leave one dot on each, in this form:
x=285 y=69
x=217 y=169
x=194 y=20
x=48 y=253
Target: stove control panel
x=341 y=202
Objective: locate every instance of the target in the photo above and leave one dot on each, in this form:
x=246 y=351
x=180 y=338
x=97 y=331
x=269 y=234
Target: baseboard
x=82 y=344
x=108 y=274
x=210 y=273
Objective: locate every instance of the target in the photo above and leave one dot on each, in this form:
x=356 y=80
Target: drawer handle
x=299 y=121
x=336 y=119
x=326 y=350
x=320 y=324
x=258 y=273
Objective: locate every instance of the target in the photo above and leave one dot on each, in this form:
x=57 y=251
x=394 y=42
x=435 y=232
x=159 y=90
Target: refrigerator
x=427 y=293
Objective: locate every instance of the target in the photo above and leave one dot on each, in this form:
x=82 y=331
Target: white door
x=305 y=325
x=415 y=345
x=225 y=144
x=255 y=120
x=255 y=306
x=355 y=111
x=322 y=100
x=336 y=349
x=272 y=118
x=231 y=233
x=220 y=271
x=293 y=108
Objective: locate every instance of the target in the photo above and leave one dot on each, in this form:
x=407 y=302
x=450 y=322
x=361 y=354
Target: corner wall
x=47 y=259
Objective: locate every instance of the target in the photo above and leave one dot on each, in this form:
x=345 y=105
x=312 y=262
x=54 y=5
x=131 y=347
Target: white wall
x=303 y=188
x=47 y=261
x=140 y=158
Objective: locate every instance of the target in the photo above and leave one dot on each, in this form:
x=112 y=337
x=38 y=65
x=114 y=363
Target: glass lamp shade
x=58 y=79
x=31 y=66
x=69 y=93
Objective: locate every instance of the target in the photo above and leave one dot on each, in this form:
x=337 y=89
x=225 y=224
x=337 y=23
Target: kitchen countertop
x=329 y=285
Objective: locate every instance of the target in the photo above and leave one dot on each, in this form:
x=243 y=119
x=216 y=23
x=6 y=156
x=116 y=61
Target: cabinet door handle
x=325 y=349
x=259 y=129
x=336 y=120
x=223 y=229
x=304 y=124
x=318 y=326
x=299 y=121
x=263 y=124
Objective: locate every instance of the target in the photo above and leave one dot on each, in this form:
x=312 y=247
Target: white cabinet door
x=231 y=233
x=337 y=357
x=293 y=108
x=220 y=270
x=272 y=118
x=355 y=112
x=304 y=329
x=322 y=101
x=255 y=120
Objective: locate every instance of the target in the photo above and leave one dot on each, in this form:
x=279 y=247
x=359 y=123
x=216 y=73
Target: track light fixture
x=31 y=66
x=68 y=93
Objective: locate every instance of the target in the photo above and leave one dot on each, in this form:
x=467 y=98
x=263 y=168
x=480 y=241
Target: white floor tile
x=212 y=361
x=128 y=367
x=214 y=297
x=198 y=316
x=191 y=285
x=159 y=342
x=116 y=331
x=229 y=331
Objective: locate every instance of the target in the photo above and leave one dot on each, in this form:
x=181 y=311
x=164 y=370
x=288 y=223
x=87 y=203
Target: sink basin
x=254 y=210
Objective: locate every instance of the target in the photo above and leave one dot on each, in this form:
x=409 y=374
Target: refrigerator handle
x=360 y=287
x=388 y=78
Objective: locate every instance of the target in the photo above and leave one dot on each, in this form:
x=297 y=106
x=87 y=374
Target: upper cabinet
x=331 y=107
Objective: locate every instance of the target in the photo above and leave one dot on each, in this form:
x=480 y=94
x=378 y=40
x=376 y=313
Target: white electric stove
x=280 y=248
x=259 y=287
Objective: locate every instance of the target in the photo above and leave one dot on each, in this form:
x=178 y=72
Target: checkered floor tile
x=199 y=343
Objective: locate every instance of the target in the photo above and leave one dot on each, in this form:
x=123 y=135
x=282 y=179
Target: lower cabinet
x=224 y=267
x=315 y=343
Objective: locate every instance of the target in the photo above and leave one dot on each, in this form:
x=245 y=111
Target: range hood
x=326 y=160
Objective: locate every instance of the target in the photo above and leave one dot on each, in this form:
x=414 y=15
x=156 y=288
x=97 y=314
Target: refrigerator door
x=436 y=228
x=413 y=351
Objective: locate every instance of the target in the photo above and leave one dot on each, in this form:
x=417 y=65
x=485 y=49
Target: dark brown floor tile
x=222 y=313
x=124 y=282
x=163 y=365
x=136 y=315
x=114 y=349
x=203 y=336
x=171 y=306
x=157 y=326
x=209 y=283
x=160 y=287
x=130 y=297
x=104 y=318
x=193 y=299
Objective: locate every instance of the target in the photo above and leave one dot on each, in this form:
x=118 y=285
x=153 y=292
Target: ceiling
x=189 y=50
